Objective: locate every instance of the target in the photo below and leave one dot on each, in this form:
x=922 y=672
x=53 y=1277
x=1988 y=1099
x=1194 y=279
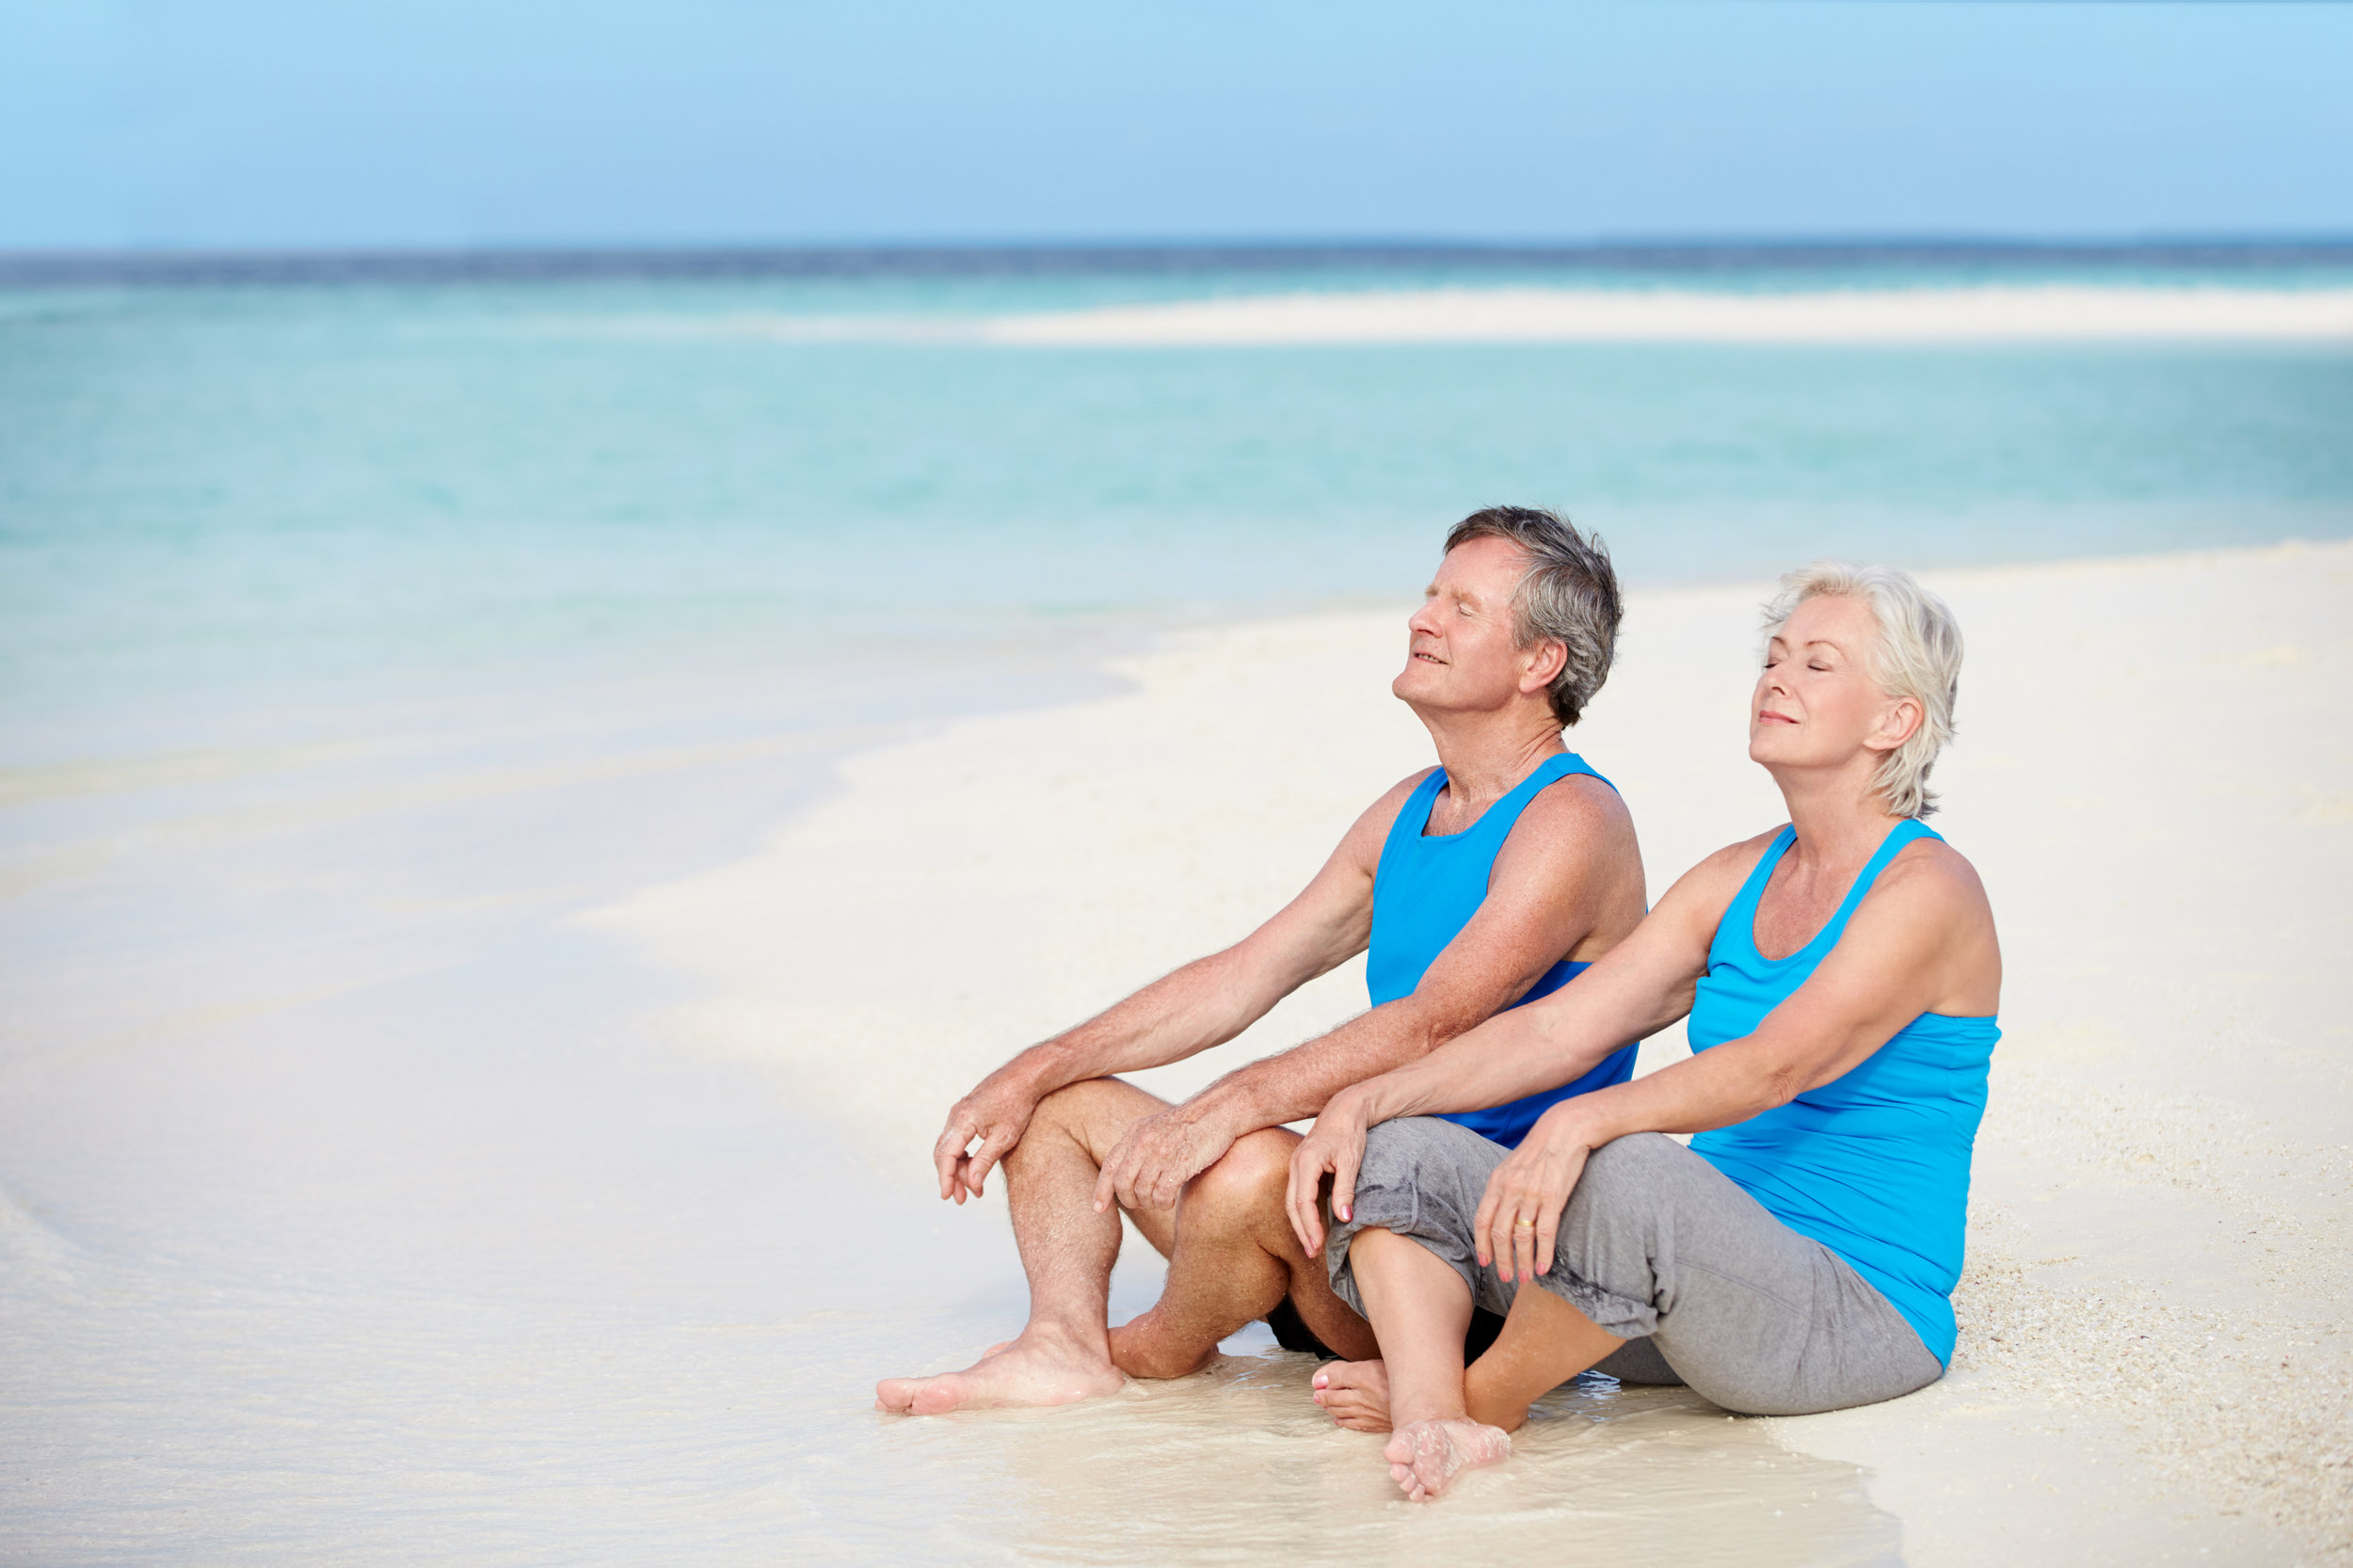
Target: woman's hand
x=1335 y=1145
x=1521 y=1213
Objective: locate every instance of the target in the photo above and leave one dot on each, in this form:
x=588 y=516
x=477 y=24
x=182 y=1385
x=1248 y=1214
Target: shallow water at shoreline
x=476 y=1264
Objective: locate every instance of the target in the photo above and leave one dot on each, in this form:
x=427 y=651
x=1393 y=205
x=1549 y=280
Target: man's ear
x=1546 y=662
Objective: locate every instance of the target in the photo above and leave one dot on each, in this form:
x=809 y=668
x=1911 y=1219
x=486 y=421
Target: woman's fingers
x=1350 y=1160
x=1524 y=1237
x=1307 y=1185
x=1483 y=1221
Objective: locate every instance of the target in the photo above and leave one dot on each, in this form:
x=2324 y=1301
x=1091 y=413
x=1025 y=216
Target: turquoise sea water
x=227 y=485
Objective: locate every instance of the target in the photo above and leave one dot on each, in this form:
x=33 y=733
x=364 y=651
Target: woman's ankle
x=1406 y=1413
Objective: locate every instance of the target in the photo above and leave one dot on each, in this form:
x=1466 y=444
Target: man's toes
x=938 y=1396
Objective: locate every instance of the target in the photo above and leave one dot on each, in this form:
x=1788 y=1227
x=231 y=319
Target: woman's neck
x=1839 y=821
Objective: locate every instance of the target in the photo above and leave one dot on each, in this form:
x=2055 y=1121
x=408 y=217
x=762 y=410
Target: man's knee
x=1075 y=1103
x=1245 y=1184
x=1088 y=1112
x=1060 y=1122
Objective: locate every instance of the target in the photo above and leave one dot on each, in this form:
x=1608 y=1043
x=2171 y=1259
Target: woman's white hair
x=1918 y=656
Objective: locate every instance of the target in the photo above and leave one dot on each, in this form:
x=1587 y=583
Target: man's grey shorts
x=1661 y=1249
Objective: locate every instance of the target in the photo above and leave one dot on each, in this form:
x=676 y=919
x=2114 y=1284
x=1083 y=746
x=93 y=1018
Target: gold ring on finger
x=1528 y=1223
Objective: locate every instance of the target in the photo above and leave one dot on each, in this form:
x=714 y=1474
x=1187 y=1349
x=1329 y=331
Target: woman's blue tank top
x=1427 y=889
x=1874 y=1164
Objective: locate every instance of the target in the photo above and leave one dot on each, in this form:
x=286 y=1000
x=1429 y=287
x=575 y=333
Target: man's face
x=1459 y=655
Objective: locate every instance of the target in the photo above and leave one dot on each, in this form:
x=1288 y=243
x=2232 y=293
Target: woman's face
x=1816 y=705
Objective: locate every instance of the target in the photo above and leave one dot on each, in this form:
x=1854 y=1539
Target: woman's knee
x=1631 y=1169
x=1425 y=1152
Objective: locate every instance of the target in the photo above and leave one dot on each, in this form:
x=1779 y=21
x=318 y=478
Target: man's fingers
x=984 y=1159
x=948 y=1154
x=1110 y=1186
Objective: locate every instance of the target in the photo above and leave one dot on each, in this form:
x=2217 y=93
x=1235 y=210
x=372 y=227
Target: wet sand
x=2154 y=776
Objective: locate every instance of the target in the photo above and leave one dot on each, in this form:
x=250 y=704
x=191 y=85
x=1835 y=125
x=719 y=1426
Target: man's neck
x=1486 y=755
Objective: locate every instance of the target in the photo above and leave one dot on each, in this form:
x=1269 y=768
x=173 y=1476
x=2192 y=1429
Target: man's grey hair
x=1917 y=655
x=1568 y=594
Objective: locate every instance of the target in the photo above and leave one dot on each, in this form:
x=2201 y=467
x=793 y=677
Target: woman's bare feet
x=1038 y=1369
x=1355 y=1394
x=1425 y=1456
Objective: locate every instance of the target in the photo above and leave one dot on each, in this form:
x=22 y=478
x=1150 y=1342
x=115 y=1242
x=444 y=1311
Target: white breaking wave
x=1992 y=314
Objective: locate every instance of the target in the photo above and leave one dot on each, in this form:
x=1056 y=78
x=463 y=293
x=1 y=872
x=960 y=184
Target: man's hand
x=1149 y=1167
x=996 y=1113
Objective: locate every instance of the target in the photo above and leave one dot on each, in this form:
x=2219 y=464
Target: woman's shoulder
x=1735 y=862
x=1931 y=871
x=1930 y=903
x=1715 y=882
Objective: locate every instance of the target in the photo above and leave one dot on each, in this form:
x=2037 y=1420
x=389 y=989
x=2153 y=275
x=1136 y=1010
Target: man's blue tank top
x=1427 y=889
x=1874 y=1164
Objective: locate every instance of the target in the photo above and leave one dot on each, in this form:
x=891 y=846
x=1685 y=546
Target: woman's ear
x=1897 y=724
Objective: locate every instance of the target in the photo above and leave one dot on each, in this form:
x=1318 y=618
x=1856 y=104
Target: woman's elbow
x=1780 y=1083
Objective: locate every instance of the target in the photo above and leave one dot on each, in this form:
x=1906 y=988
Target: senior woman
x=1840 y=977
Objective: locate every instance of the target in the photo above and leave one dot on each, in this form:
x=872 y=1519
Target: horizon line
x=168 y=264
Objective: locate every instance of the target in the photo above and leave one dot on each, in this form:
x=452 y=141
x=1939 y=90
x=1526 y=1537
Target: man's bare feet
x=1355 y=1394
x=1145 y=1347
x=1425 y=1456
x=1035 y=1369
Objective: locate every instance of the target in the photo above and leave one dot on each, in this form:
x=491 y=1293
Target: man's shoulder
x=1393 y=799
x=1571 y=805
x=1575 y=824
x=1372 y=828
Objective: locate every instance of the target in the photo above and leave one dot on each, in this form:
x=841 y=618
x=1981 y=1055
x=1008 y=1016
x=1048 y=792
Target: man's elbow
x=1436 y=1026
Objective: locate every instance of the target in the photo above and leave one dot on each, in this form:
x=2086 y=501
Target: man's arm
x=1569 y=872
x=1206 y=1004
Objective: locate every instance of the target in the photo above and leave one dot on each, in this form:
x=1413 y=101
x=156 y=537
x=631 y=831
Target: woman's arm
x=1635 y=989
x=1926 y=943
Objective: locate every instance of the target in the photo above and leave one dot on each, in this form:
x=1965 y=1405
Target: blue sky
x=325 y=123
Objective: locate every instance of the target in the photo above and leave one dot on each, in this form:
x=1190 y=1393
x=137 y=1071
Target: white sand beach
x=2044 y=312
x=2155 y=774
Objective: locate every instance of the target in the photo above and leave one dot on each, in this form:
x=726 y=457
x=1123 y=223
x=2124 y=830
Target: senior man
x=1481 y=884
